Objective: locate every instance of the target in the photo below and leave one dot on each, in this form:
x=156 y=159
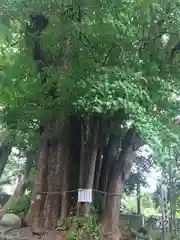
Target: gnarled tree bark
x=34 y=214
x=92 y=139
x=98 y=168
x=120 y=170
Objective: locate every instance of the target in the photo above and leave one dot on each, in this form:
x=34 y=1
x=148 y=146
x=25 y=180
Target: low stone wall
x=153 y=224
x=131 y=221
x=135 y=221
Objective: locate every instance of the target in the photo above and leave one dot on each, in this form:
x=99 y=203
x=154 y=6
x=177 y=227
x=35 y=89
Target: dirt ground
x=26 y=234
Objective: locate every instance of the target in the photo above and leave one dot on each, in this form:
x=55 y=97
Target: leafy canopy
x=119 y=61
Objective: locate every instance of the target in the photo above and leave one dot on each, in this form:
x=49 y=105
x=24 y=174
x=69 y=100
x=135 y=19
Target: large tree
x=97 y=80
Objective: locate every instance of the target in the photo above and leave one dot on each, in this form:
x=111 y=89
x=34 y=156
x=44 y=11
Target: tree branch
x=88 y=44
x=107 y=54
x=14 y=44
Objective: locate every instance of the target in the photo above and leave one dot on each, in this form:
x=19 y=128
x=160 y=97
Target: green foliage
x=20 y=205
x=148 y=207
x=81 y=228
x=137 y=176
x=12 y=169
x=119 y=61
x=133 y=180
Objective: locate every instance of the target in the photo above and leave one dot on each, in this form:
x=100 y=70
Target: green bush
x=81 y=228
x=19 y=205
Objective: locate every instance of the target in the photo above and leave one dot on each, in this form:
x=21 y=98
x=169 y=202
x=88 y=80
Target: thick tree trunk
x=104 y=170
x=52 y=178
x=119 y=173
x=98 y=168
x=110 y=220
x=65 y=187
x=89 y=149
x=35 y=212
x=74 y=171
x=88 y=174
x=65 y=175
x=110 y=154
x=57 y=179
x=52 y=203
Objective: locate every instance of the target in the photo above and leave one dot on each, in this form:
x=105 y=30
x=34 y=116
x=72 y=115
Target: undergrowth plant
x=83 y=228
